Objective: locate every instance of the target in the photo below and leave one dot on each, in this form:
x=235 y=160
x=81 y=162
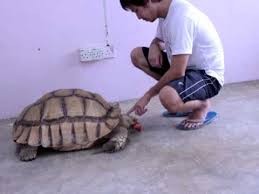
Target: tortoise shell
x=66 y=119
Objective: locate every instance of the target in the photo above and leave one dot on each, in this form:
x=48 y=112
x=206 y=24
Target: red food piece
x=138 y=127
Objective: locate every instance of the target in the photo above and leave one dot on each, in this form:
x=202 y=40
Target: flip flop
x=175 y=114
x=211 y=116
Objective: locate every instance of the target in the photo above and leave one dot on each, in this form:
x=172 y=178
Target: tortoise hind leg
x=27 y=152
x=118 y=140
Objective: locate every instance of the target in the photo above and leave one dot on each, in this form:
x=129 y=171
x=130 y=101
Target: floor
x=221 y=158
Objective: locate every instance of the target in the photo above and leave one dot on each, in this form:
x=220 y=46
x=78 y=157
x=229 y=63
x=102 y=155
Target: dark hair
x=126 y=3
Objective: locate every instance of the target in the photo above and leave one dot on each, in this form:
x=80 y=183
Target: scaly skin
x=27 y=153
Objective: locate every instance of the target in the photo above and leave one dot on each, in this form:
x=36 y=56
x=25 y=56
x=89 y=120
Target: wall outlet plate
x=94 y=53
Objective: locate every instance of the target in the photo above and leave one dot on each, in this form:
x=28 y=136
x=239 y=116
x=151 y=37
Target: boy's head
x=127 y=3
x=144 y=9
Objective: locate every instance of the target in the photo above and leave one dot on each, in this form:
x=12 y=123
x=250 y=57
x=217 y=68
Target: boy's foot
x=196 y=118
x=192 y=124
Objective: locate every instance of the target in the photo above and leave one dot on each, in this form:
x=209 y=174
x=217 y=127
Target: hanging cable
x=106 y=24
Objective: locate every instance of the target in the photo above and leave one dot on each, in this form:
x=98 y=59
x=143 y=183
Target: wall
x=39 y=44
x=237 y=24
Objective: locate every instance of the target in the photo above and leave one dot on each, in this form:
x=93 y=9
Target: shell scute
x=53 y=109
x=94 y=109
x=24 y=135
x=33 y=114
x=34 y=138
x=56 y=135
x=80 y=133
x=74 y=106
x=63 y=92
x=45 y=136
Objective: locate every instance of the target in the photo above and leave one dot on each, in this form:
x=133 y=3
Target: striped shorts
x=195 y=85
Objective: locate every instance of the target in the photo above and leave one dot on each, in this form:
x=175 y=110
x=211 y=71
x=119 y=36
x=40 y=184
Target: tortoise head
x=130 y=122
x=127 y=121
x=115 y=109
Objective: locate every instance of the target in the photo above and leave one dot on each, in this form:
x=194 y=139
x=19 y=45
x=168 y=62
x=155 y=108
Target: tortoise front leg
x=26 y=152
x=118 y=140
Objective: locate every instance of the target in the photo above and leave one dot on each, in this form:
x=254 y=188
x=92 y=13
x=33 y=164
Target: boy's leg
x=190 y=93
x=139 y=58
x=171 y=100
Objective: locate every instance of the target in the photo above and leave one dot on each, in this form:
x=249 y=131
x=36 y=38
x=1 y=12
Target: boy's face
x=147 y=12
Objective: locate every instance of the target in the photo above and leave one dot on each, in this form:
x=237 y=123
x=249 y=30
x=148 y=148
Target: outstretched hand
x=139 y=107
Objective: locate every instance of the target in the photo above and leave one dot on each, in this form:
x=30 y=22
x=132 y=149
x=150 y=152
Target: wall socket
x=94 y=53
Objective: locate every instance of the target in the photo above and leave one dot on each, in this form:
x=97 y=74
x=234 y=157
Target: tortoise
x=71 y=119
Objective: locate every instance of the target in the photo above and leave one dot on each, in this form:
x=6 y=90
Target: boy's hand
x=155 y=57
x=139 y=107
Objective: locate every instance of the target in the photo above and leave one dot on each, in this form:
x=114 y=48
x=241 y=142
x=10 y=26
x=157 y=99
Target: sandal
x=197 y=124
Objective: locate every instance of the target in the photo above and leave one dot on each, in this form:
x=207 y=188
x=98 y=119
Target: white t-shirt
x=186 y=30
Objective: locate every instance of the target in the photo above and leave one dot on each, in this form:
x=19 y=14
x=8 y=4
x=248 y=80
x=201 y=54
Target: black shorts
x=195 y=85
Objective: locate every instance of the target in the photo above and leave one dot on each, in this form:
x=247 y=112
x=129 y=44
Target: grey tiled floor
x=222 y=158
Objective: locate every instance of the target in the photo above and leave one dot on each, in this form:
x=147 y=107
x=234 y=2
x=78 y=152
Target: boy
x=191 y=70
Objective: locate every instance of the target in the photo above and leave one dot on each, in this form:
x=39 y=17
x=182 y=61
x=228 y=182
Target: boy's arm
x=176 y=70
x=159 y=43
x=155 y=56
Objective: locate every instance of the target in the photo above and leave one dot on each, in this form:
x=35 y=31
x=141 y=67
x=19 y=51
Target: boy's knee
x=136 y=55
x=169 y=98
x=166 y=91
